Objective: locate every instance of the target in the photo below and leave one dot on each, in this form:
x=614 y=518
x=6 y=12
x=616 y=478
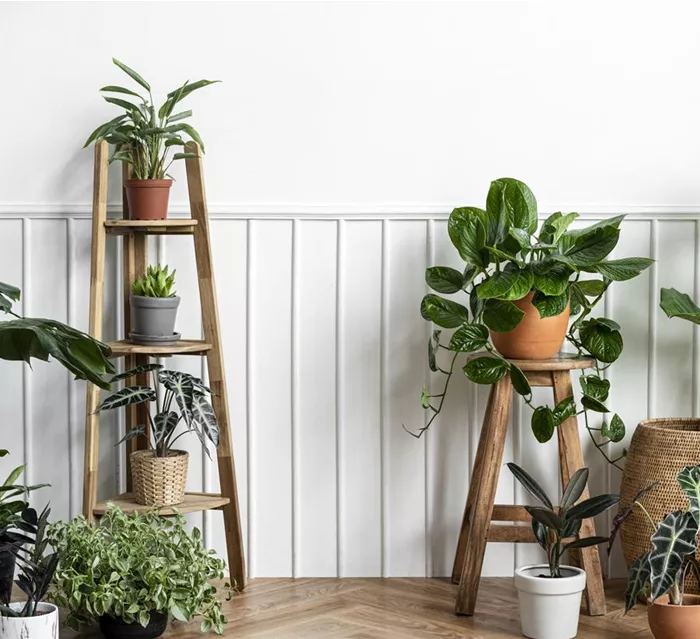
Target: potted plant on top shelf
x=550 y=594
x=154 y=305
x=132 y=573
x=523 y=286
x=159 y=475
x=33 y=618
x=146 y=135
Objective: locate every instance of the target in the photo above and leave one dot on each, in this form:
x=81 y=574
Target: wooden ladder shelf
x=135 y=255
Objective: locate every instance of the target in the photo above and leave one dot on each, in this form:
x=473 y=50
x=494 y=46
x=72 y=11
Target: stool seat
x=480 y=513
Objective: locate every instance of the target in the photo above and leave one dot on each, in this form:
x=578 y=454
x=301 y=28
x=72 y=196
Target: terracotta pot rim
x=148 y=184
x=664 y=601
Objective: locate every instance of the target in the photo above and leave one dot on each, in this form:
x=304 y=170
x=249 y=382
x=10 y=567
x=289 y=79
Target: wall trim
x=332 y=211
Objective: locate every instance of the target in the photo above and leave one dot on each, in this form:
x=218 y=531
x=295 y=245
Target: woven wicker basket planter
x=659 y=449
x=159 y=481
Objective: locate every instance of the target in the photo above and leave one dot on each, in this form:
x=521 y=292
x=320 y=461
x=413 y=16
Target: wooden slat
x=97 y=270
x=571 y=459
x=194 y=502
x=560 y=362
x=511 y=534
x=150 y=227
x=510 y=513
x=217 y=379
x=182 y=347
x=539 y=378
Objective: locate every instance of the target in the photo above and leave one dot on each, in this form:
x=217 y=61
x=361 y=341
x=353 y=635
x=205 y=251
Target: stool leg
x=493 y=435
x=570 y=460
x=473 y=490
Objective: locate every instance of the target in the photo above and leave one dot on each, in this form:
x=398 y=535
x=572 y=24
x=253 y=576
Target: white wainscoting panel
x=325 y=355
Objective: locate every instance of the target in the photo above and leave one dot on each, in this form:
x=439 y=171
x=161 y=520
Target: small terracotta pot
x=148 y=199
x=534 y=337
x=675 y=622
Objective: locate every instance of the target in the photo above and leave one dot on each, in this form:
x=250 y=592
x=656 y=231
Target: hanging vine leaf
x=485 y=370
x=469 y=338
x=519 y=381
x=443 y=279
x=543 y=424
x=442 y=312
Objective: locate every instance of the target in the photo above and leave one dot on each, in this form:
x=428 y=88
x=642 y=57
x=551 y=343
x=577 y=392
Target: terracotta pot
x=148 y=199
x=675 y=622
x=658 y=450
x=534 y=337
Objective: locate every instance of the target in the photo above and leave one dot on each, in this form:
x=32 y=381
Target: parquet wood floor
x=394 y=609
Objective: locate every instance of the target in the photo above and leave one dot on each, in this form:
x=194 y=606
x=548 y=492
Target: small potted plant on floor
x=159 y=475
x=133 y=573
x=145 y=135
x=550 y=594
x=32 y=618
x=523 y=285
x=154 y=305
x=660 y=574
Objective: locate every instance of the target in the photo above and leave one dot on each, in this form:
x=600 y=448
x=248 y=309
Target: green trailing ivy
x=506 y=257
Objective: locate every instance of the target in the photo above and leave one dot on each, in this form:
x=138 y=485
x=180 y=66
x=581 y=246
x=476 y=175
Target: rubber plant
x=506 y=256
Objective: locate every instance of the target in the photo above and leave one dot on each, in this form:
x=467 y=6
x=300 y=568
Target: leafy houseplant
x=515 y=273
x=661 y=572
x=146 y=134
x=139 y=569
x=154 y=305
x=184 y=400
x=549 y=603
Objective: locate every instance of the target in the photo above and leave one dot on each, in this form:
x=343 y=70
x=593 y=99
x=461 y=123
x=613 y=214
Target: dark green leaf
x=592 y=507
x=519 y=202
x=519 y=381
x=117 y=89
x=204 y=418
x=10 y=291
x=182 y=385
x=565 y=409
x=593 y=404
x=433 y=345
x=182 y=126
x=127 y=397
x=184 y=156
x=486 y=370
x=550 y=306
x=689 y=481
x=501 y=316
x=591 y=288
x=523 y=238
x=574 y=489
x=595 y=387
x=530 y=484
x=179 y=116
x=124 y=104
x=132 y=74
x=469 y=338
x=546 y=517
x=621 y=270
x=677 y=304
x=554 y=280
x=592 y=247
x=540 y=533
x=584 y=542
x=476 y=306
x=601 y=342
x=615 y=430
x=442 y=312
x=556 y=225
x=543 y=423
x=467 y=233
x=498 y=285
x=444 y=279
x=673 y=540
x=637 y=580
x=190 y=87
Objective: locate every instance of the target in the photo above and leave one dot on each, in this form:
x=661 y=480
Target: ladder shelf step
x=151 y=227
x=126 y=347
x=194 y=502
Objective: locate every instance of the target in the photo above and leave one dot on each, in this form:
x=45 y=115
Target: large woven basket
x=659 y=449
x=159 y=481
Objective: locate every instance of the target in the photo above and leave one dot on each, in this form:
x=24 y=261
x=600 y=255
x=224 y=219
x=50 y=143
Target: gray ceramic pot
x=154 y=319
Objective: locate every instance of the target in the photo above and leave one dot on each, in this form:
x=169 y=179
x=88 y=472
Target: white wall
x=341 y=136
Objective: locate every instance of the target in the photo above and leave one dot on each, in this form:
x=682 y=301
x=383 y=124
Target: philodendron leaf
x=442 y=312
x=554 y=280
x=519 y=381
x=433 y=345
x=127 y=397
x=519 y=201
x=574 y=489
x=689 y=480
x=543 y=424
x=501 y=316
x=637 y=580
x=593 y=404
x=530 y=484
x=677 y=304
x=550 y=306
x=591 y=288
x=486 y=370
x=443 y=279
x=498 y=285
x=523 y=285
x=620 y=270
x=615 y=430
x=523 y=238
x=600 y=341
x=595 y=387
x=558 y=225
x=466 y=230
x=674 y=538
x=469 y=338
x=563 y=410
x=593 y=246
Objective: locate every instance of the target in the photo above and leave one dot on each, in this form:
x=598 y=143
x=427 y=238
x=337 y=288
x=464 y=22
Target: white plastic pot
x=549 y=608
x=41 y=626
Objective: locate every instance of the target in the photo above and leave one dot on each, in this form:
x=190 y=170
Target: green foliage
x=145 y=134
x=553 y=525
x=157 y=282
x=677 y=304
x=129 y=565
x=183 y=391
x=507 y=257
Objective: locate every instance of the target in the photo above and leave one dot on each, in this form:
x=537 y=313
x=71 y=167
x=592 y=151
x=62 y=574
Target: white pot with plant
x=550 y=594
x=146 y=134
x=154 y=305
x=159 y=474
x=32 y=618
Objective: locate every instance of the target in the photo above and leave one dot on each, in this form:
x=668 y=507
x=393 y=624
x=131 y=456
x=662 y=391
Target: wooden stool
x=480 y=510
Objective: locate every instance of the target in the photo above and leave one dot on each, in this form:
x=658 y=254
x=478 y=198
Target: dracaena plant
x=674 y=543
x=506 y=257
x=145 y=133
x=184 y=400
x=556 y=529
x=157 y=282
x=24 y=337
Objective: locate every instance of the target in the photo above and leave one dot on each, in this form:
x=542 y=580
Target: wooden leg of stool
x=473 y=490
x=570 y=460
x=493 y=434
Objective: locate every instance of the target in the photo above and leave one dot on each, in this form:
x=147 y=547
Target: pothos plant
x=506 y=257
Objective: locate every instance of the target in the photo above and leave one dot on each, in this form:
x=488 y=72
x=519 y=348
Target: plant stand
x=480 y=511
x=135 y=253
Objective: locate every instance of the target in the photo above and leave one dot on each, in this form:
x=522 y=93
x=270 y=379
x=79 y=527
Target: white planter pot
x=43 y=626
x=549 y=608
